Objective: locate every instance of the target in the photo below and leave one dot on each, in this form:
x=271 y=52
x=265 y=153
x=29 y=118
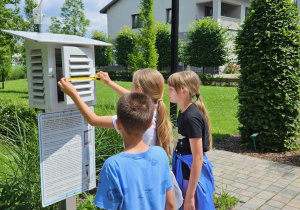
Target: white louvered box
x=49 y=57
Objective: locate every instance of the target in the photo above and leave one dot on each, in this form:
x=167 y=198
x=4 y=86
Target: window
x=247 y=11
x=135 y=21
x=169 y=15
x=208 y=11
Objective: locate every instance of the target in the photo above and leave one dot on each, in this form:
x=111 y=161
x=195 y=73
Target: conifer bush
x=268 y=53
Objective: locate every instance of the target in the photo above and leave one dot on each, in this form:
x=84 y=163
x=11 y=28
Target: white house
x=125 y=12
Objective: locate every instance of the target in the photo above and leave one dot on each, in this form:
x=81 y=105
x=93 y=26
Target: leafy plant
x=268 y=53
x=85 y=201
x=145 y=54
x=20 y=186
x=103 y=54
x=207 y=44
x=163 y=44
x=125 y=42
x=72 y=21
x=11 y=113
x=231 y=68
x=224 y=200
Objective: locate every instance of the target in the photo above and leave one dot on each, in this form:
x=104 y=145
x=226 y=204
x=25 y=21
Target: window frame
x=135 y=17
x=169 y=15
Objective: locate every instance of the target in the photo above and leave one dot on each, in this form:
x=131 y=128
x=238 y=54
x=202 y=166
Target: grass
x=220 y=102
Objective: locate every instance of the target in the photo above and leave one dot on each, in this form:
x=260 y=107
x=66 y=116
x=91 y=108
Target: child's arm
x=170 y=200
x=106 y=80
x=88 y=114
x=197 y=152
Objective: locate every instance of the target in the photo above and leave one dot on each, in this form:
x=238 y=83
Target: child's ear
x=119 y=124
x=139 y=90
x=184 y=91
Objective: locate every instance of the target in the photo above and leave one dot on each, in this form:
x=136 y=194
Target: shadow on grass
x=13 y=91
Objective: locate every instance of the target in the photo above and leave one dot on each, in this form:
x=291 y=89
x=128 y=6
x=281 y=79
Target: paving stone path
x=257 y=183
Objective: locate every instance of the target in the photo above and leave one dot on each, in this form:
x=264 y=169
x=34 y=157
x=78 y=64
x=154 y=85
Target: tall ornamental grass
x=20 y=186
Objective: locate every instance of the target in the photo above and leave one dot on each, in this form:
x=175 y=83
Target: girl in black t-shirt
x=190 y=165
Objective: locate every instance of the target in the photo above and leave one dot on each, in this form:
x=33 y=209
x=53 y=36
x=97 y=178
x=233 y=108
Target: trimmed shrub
x=17 y=72
x=268 y=54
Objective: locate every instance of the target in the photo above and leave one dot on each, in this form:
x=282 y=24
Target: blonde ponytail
x=200 y=104
x=164 y=128
x=152 y=83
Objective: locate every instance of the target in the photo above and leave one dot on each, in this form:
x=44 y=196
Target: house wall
x=120 y=13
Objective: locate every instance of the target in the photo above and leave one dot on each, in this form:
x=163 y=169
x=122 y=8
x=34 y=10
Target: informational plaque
x=67 y=155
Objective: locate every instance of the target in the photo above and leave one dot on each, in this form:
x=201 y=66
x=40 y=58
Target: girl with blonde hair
x=148 y=81
x=190 y=165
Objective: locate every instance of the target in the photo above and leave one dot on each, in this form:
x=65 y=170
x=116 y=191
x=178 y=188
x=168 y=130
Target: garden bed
x=232 y=144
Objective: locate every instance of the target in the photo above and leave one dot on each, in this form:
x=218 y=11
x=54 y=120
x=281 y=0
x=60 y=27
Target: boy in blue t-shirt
x=139 y=177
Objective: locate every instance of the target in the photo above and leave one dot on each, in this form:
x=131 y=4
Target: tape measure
x=85 y=78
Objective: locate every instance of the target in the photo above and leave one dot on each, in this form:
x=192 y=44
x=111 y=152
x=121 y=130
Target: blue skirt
x=206 y=183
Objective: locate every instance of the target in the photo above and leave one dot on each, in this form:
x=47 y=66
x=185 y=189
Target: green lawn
x=220 y=102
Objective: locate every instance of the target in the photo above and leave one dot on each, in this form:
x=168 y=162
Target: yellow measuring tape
x=85 y=78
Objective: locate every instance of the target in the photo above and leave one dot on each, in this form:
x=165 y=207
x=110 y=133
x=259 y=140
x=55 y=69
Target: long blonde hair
x=190 y=81
x=152 y=83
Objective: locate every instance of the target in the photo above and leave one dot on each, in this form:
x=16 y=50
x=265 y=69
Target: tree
x=207 y=44
x=125 y=42
x=72 y=21
x=10 y=19
x=268 y=54
x=163 y=44
x=28 y=10
x=145 y=55
x=103 y=55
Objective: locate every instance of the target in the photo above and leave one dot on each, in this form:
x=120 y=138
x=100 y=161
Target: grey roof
x=57 y=38
x=104 y=9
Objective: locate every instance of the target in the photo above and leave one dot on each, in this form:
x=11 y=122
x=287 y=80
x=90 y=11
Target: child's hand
x=67 y=87
x=189 y=203
x=105 y=77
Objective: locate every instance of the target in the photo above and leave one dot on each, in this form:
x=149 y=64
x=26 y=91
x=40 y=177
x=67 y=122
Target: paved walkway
x=257 y=183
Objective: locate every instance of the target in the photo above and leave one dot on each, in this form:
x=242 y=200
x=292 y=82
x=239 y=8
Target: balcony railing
x=231 y=23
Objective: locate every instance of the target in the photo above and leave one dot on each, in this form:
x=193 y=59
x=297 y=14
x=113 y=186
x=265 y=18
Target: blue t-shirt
x=134 y=181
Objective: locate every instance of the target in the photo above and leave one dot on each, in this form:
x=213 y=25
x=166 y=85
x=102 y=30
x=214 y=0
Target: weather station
x=67 y=147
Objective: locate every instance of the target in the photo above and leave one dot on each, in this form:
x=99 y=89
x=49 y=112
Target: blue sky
x=52 y=8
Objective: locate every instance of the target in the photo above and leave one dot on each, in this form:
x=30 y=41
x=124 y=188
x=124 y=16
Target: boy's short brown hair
x=135 y=112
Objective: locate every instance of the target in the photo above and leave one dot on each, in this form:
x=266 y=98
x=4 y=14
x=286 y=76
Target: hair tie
x=197 y=95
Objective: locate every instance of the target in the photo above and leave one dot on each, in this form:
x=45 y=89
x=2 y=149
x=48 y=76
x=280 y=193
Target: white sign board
x=67 y=155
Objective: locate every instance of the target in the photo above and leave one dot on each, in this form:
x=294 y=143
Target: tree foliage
x=125 y=42
x=268 y=54
x=163 y=44
x=145 y=55
x=28 y=10
x=72 y=21
x=207 y=44
x=10 y=19
x=103 y=54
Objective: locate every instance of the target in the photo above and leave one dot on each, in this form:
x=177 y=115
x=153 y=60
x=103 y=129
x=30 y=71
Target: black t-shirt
x=191 y=124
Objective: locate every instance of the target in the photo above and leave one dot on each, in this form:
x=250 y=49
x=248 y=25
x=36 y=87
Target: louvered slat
x=36 y=68
x=38 y=87
x=37 y=74
x=36 y=60
x=79 y=67
x=38 y=93
x=38 y=100
x=77 y=60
